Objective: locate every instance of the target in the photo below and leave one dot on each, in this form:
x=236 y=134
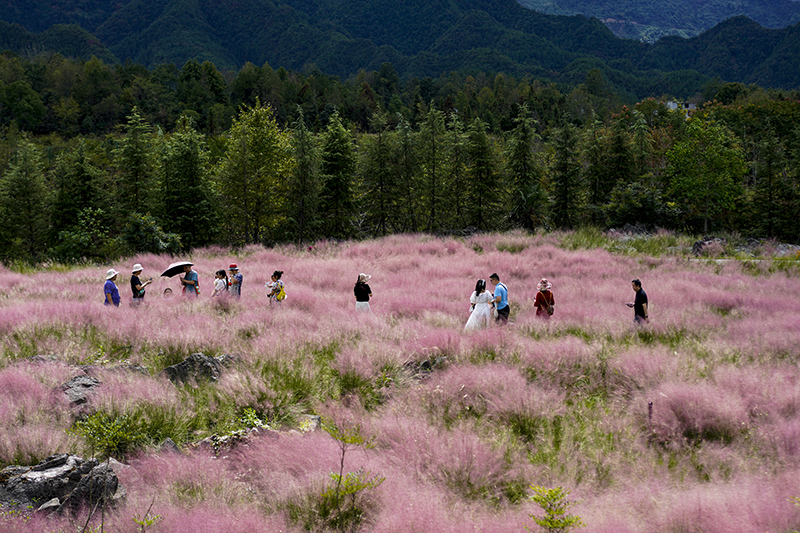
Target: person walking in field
x=639 y=305
x=500 y=299
x=545 y=301
x=236 y=279
x=482 y=304
x=110 y=290
x=220 y=284
x=277 y=289
x=362 y=292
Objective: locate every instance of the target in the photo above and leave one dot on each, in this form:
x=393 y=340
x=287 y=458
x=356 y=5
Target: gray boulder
x=79 y=388
x=60 y=482
x=198 y=367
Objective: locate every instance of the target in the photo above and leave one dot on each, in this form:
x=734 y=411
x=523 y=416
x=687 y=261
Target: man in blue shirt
x=190 y=281
x=500 y=299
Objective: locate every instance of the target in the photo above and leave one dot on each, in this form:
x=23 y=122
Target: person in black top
x=363 y=293
x=639 y=304
x=137 y=286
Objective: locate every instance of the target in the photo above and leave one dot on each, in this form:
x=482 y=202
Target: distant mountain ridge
x=420 y=38
x=649 y=20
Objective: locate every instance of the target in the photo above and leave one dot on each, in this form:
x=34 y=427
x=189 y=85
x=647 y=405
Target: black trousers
x=502 y=314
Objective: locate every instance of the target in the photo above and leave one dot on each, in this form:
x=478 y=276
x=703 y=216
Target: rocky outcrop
x=198 y=367
x=699 y=246
x=60 y=483
x=79 y=388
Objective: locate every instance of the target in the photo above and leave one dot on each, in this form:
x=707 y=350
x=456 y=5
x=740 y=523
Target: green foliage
x=338 y=169
x=143 y=234
x=566 y=193
x=88 y=238
x=705 y=169
x=188 y=209
x=555 y=505
x=109 y=435
x=303 y=185
x=341 y=505
x=250 y=175
x=24 y=198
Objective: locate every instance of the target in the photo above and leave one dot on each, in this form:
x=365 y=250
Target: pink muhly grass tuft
x=33 y=442
x=435 y=342
x=686 y=412
x=646 y=367
x=283 y=467
x=120 y=389
x=457 y=459
x=497 y=391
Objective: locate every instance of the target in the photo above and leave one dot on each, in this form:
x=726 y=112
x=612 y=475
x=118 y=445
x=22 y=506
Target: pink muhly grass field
x=462 y=422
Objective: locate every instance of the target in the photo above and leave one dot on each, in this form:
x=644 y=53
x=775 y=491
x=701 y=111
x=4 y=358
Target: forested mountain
x=418 y=38
x=649 y=20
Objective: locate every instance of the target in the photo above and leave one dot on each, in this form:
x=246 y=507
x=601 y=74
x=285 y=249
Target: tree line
x=510 y=155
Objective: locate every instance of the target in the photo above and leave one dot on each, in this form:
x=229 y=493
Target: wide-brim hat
x=544 y=285
x=111 y=273
x=136 y=268
x=364 y=277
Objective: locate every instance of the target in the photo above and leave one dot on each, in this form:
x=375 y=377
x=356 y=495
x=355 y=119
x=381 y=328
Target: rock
x=310 y=422
x=79 y=388
x=699 y=246
x=51 y=505
x=168 y=445
x=60 y=482
x=635 y=229
x=787 y=249
x=198 y=367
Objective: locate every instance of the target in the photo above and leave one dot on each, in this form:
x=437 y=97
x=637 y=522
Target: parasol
x=176 y=268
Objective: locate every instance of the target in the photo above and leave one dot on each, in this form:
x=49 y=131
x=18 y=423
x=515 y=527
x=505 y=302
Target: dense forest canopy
x=101 y=160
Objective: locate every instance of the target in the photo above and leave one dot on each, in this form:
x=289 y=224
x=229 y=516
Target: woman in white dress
x=482 y=303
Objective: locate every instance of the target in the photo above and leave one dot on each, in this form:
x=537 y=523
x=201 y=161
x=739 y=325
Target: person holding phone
x=639 y=304
x=137 y=285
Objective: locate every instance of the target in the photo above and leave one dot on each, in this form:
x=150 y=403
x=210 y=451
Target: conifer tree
x=338 y=171
x=135 y=161
x=303 y=185
x=484 y=183
x=188 y=207
x=258 y=157
x=455 y=181
x=379 y=188
x=406 y=167
x=566 y=177
x=528 y=202
x=431 y=155
x=24 y=200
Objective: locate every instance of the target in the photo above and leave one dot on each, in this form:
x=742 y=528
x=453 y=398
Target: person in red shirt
x=545 y=301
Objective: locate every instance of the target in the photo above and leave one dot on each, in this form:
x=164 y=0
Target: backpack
x=281 y=294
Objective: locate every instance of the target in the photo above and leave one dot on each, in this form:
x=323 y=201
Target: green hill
x=650 y=20
x=418 y=38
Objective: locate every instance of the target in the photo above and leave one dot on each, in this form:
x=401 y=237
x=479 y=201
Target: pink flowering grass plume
x=33 y=415
x=685 y=414
x=646 y=367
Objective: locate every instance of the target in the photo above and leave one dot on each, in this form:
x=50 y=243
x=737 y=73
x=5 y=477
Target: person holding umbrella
x=182 y=267
x=191 y=285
